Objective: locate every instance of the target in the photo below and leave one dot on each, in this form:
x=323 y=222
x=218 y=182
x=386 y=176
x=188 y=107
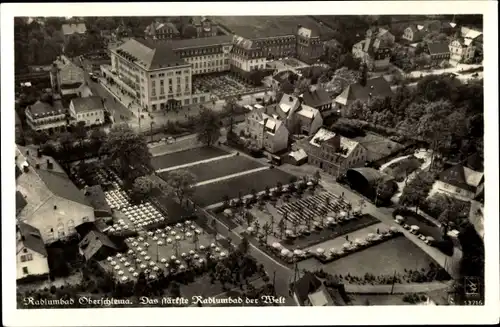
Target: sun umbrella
x=188 y=234
x=146 y=244
x=152 y=263
x=393 y=229
x=213 y=245
x=167 y=265
x=155 y=268
x=131 y=269
x=112 y=230
x=285 y=252
x=138 y=260
x=141 y=239
x=202 y=247
x=181 y=267
x=187 y=222
x=147 y=258
x=110 y=258
x=159 y=243
x=288 y=232
x=201 y=261
x=120 y=272
x=117 y=267
x=191 y=252
x=169 y=240
x=168 y=229
x=124 y=278
x=135 y=274
x=196 y=256
x=139 y=248
x=155 y=238
x=163 y=260
x=143 y=253
x=415 y=227
x=177 y=262
x=309 y=183
x=177 y=238
x=276 y=245
x=122 y=259
x=163 y=235
x=250 y=229
x=399 y=217
x=173 y=233
x=158 y=231
x=130 y=252
x=298 y=252
x=330 y=219
x=343 y=214
x=193 y=227
x=126 y=264
x=113 y=263
x=173 y=257
x=217 y=249
x=183 y=254
x=152 y=276
x=178 y=225
x=357 y=241
x=320 y=250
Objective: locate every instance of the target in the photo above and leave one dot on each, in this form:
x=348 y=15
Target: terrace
x=223 y=86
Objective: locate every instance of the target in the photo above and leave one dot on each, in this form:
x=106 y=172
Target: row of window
x=199 y=52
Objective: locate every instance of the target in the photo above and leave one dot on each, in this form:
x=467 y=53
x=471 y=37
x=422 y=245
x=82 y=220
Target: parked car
x=170 y=140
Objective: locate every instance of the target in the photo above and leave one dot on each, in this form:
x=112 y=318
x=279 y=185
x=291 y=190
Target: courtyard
x=223 y=85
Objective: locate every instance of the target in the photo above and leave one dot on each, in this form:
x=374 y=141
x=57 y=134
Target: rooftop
x=69 y=73
x=308 y=112
x=69 y=29
x=306 y=285
x=94 y=241
x=202 y=42
x=462 y=177
x=95 y=196
x=324 y=135
x=438 y=47
x=377 y=144
x=375 y=87
x=87 y=104
x=149 y=54
x=316 y=97
x=43 y=109
x=31 y=238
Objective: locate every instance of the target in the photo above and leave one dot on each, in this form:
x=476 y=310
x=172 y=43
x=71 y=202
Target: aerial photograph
x=235 y=161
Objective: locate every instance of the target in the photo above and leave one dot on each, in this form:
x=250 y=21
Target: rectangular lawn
x=222 y=167
x=383 y=259
x=214 y=192
x=185 y=157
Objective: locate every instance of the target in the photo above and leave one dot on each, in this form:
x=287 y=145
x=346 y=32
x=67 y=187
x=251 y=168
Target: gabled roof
x=470 y=33
x=283 y=76
x=438 y=48
x=324 y=135
x=288 y=104
x=306 y=285
x=20 y=202
x=93 y=242
x=69 y=73
x=87 y=104
x=43 y=109
x=69 y=29
x=308 y=112
x=31 y=238
x=96 y=197
x=243 y=43
x=150 y=54
x=316 y=97
x=62 y=186
x=155 y=26
x=375 y=87
x=378 y=145
x=462 y=177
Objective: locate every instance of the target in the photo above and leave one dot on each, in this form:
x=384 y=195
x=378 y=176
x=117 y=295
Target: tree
x=358 y=110
x=417 y=190
x=222 y=273
x=282 y=226
x=180 y=183
x=364 y=74
x=80 y=132
x=230 y=110
x=67 y=142
x=256 y=226
x=129 y=150
x=142 y=187
x=208 y=127
x=244 y=245
x=40 y=137
x=98 y=137
x=302 y=86
x=266 y=229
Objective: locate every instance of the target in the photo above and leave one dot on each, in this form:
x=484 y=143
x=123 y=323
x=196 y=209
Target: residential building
x=69 y=30
x=317 y=98
x=460 y=182
x=89 y=110
x=310 y=291
x=247 y=55
x=438 y=51
x=267 y=131
x=66 y=78
x=377 y=146
x=283 y=76
x=161 y=31
x=43 y=116
x=463 y=48
x=334 y=153
x=97 y=199
x=416 y=32
x=373 y=53
x=374 y=87
x=386 y=38
x=309 y=45
x=306 y=121
x=31 y=255
x=52 y=203
x=96 y=245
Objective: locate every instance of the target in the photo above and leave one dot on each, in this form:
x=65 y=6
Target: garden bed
x=222 y=167
x=332 y=232
x=185 y=157
x=215 y=192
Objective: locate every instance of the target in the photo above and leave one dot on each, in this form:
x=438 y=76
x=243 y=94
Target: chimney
x=37 y=166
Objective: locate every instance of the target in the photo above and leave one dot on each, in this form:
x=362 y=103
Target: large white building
x=158 y=73
x=31 y=255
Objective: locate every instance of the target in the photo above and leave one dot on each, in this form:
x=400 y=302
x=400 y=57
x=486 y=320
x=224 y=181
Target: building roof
x=69 y=73
x=243 y=43
x=149 y=54
x=462 y=177
x=93 y=242
x=475 y=162
x=283 y=76
x=316 y=97
x=70 y=29
x=308 y=112
x=324 y=135
x=43 y=109
x=298 y=155
x=306 y=285
x=320 y=298
x=20 y=201
x=62 y=186
x=470 y=33
x=155 y=26
x=31 y=238
x=202 y=42
x=438 y=47
x=378 y=145
x=307 y=32
x=87 y=104
x=96 y=197
x=375 y=87
x=288 y=104
x=371 y=175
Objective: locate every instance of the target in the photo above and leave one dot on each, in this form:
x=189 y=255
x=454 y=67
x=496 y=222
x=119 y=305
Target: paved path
x=398 y=288
x=210 y=181
x=196 y=163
